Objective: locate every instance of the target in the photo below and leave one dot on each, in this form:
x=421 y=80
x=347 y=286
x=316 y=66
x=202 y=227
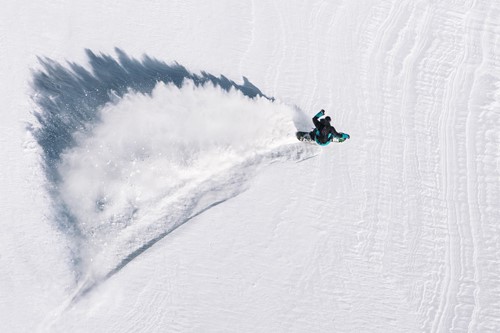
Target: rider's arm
x=316 y=118
x=335 y=133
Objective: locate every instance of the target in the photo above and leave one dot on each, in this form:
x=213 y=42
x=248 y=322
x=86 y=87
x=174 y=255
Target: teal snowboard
x=306 y=137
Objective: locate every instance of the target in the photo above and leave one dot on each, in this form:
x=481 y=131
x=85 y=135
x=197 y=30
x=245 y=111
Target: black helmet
x=328 y=119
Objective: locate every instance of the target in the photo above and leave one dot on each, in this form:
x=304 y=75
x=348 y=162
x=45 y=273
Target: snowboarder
x=324 y=132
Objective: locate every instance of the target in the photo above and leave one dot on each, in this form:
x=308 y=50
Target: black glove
x=320 y=114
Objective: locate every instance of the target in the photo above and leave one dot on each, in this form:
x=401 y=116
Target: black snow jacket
x=324 y=131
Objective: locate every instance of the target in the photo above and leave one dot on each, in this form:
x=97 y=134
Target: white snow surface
x=193 y=208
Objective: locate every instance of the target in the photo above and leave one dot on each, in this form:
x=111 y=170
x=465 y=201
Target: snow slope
x=129 y=204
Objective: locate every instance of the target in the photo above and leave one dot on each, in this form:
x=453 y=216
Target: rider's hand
x=320 y=114
x=344 y=137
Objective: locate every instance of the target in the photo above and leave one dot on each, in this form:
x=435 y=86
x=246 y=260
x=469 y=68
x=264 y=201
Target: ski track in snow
x=433 y=71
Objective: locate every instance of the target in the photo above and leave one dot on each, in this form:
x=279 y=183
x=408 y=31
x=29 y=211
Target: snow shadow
x=132 y=149
x=69 y=98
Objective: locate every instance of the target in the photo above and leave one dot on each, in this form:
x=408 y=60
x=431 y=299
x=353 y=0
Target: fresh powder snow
x=152 y=181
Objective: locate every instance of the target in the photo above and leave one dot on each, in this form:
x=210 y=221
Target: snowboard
x=306 y=137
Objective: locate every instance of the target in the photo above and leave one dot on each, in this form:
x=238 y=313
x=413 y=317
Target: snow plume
x=127 y=168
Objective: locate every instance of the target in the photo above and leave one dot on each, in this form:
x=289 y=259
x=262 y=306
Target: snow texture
x=151 y=178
